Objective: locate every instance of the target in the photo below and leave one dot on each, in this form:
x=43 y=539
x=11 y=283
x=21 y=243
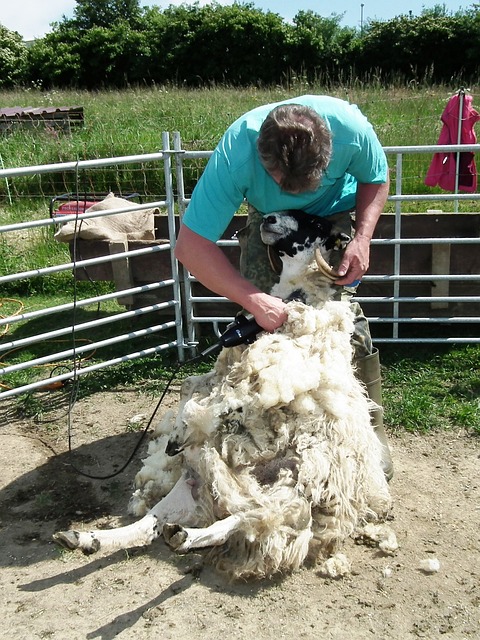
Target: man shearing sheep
x=315 y=153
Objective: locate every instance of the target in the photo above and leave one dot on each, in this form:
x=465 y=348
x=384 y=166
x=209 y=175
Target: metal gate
x=178 y=307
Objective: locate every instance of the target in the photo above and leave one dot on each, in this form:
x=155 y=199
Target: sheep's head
x=297 y=235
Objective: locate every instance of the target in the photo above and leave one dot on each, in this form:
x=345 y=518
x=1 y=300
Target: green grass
x=131 y=122
x=429 y=388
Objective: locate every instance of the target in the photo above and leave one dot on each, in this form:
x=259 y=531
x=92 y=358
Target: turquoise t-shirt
x=234 y=172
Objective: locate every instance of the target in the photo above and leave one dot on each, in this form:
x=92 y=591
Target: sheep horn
x=324 y=268
x=275 y=260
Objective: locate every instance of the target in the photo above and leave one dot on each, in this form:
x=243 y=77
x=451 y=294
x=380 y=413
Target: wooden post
x=440 y=266
x=122 y=275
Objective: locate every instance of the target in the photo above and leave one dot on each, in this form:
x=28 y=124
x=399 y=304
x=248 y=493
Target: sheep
x=272 y=455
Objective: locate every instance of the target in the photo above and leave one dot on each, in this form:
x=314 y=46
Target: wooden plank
x=121 y=271
x=440 y=266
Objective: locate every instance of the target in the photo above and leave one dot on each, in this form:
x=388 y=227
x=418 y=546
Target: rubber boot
x=368 y=371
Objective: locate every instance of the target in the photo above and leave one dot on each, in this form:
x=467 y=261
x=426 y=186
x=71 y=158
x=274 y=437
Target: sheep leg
x=183 y=539
x=178 y=505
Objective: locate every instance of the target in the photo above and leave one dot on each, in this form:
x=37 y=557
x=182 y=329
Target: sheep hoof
x=174 y=536
x=71 y=540
x=67 y=539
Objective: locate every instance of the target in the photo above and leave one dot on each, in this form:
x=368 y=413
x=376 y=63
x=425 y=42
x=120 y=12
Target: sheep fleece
x=279 y=433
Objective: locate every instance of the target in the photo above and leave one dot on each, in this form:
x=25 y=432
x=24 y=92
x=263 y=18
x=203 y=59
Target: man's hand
x=269 y=312
x=355 y=261
x=371 y=199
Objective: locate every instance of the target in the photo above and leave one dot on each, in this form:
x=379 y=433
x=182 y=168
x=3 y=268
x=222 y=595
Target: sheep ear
x=340 y=241
x=337 y=241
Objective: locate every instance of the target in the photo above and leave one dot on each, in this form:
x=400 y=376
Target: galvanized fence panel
x=166 y=290
x=190 y=307
x=196 y=305
x=397 y=300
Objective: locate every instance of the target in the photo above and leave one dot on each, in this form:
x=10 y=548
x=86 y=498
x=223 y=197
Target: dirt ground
x=152 y=593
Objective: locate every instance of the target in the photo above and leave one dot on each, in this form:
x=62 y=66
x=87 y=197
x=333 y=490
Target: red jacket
x=444 y=165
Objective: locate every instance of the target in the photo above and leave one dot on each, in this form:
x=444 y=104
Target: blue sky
x=32 y=18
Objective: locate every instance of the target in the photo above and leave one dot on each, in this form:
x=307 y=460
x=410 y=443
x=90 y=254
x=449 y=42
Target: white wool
x=280 y=435
x=137 y=505
x=429 y=565
x=303 y=404
x=156 y=478
x=389 y=544
x=286 y=376
x=137 y=419
x=336 y=566
x=158 y=468
x=198 y=416
x=164 y=427
x=381 y=534
x=387 y=572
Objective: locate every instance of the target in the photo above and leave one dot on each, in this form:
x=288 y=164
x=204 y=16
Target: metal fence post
x=172 y=233
x=461 y=94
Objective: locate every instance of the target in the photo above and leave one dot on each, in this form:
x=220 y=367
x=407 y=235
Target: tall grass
x=132 y=121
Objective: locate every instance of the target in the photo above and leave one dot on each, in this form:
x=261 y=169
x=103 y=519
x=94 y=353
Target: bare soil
x=152 y=593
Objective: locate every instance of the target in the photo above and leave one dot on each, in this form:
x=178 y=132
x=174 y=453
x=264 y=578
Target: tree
x=105 y=13
x=237 y=44
x=98 y=56
x=318 y=44
x=54 y=61
x=112 y=57
x=437 y=45
x=115 y=43
x=13 y=57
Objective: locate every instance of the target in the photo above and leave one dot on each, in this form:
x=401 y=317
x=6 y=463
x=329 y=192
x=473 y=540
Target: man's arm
x=207 y=262
x=371 y=199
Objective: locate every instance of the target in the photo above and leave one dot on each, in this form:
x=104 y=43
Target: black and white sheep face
x=295 y=232
x=303 y=243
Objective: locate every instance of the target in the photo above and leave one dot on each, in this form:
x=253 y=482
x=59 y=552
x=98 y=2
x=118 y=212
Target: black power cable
x=243 y=330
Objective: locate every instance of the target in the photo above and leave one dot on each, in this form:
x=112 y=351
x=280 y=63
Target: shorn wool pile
x=275 y=457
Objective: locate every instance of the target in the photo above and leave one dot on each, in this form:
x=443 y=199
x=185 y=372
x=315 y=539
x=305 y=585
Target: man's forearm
x=371 y=199
x=207 y=262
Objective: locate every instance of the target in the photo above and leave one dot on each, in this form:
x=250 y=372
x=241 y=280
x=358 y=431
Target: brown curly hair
x=295 y=143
